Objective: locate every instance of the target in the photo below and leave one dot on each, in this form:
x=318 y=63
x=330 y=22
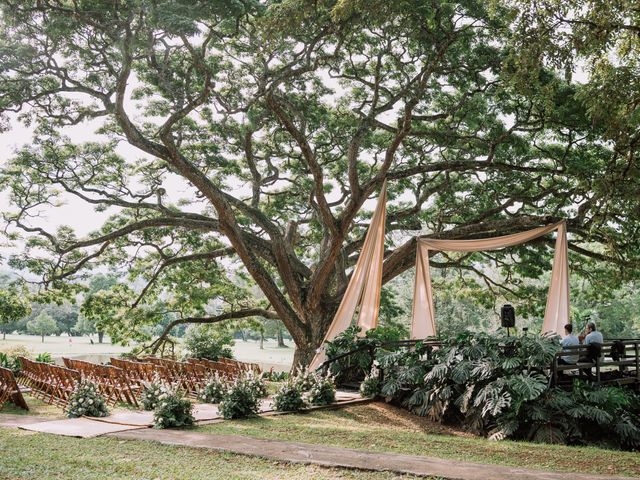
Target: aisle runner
x=78 y=427
x=131 y=420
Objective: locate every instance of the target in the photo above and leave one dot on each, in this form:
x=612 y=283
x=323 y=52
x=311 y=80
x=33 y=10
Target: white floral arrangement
x=86 y=400
x=214 y=390
x=150 y=393
x=322 y=391
x=172 y=410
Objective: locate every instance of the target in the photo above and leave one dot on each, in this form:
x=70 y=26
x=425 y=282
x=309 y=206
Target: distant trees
x=42 y=325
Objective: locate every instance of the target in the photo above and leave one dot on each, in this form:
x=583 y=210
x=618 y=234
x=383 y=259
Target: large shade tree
x=260 y=129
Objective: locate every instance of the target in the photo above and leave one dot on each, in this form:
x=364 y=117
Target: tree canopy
x=237 y=143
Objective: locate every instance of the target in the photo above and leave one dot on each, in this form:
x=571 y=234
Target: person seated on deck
x=568 y=341
x=594 y=341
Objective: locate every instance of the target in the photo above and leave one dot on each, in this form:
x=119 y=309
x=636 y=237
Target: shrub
x=304 y=379
x=44 y=357
x=257 y=384
x=214 y=390
x=319 y=389
x=240 y=400
x=272 y=376
x=370 y=386
x=208 y=341
x=172 y=410
x=150 y=393
x=288 y=398
x=86 y=400
x=354 y=367
x=323 y=391
x=9 y=357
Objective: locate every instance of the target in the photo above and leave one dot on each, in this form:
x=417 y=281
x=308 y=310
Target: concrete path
x=349 y=458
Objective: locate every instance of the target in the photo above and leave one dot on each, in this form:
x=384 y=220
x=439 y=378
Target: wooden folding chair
x=9 y=389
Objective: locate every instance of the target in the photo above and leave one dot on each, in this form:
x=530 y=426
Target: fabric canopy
x=365 y=284
x=557 y=310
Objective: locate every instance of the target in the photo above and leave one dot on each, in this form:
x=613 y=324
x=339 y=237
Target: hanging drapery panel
x=556 y=315
x=365 y=284
x=557 y=311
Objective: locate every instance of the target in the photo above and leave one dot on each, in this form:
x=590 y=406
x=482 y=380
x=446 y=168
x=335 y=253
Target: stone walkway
x=349 y=458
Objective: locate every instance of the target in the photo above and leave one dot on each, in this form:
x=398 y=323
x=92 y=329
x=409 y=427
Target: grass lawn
x=27 y=455
x=36 y=408
x=384 y=428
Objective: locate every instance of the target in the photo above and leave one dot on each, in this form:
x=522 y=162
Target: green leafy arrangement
x=289 y=398
x=173 y=409
x=151 y=391
x=214 y=390
x=322 y=391
x=257 y=384
x=44 y=357
x=316 y=388
x=241 y=399
x=9 y=357
x=355 y=367
x=86 y=400
x=272 y=376
x=371 y=385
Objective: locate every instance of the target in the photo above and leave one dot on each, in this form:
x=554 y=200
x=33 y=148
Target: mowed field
x=270 y=356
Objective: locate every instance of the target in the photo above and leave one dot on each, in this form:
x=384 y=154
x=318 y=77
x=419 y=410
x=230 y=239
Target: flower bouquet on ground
x=86 y=400
x=172 y=409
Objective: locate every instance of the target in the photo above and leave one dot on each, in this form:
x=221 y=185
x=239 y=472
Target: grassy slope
x=383 y=428
x=27 y=455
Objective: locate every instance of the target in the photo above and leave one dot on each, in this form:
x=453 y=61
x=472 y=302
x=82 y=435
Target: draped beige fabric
x=365 y=284
x=557 y=311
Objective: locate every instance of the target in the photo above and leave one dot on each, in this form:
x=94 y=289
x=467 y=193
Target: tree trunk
x=261 y=340
x=303 y=356
x=100 y=336
x=281 y=343
x=43 y=338
x=243 y=335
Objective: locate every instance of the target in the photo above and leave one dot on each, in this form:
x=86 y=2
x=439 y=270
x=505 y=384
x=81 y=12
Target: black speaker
x=508 y=316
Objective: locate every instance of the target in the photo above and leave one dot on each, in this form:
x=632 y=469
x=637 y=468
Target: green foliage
x=214 y=390
x=497 y=386
x=478 y=129
x=86 y=400
x=209 y=341
x=44 y=357
x=356 y=366
x=240 y=400
x=322 y=391
x=149 y=398
x=289 y=398
x=172 y=410
x=273 y=376
x=14 y=305
x=371 y=385
x=257 y=384
x=9 y=357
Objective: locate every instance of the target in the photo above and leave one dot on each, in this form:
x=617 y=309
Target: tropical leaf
x=548 y=433
x=528 y=386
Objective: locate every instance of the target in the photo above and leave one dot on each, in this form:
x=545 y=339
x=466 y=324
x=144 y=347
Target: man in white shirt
x=595 y=339
x=569 y=340
x=593 y=336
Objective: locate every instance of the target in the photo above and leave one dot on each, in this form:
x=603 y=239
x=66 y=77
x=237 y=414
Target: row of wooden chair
x=50 y=383
x=113 y=382
x=9 y=390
